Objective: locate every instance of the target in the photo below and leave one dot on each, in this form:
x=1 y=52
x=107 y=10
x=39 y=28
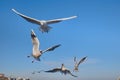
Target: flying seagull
x=43 y=23
x=63 y=70
x=37 y=71
x=78 y=63
x=36 y=53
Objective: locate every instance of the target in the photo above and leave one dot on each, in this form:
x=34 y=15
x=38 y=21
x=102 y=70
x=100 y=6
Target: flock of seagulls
x=36 y=52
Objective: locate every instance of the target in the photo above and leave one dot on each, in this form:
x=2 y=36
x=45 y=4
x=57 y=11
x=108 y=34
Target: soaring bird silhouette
x=34 y=72
x=63 y=70
x=78 y=63
x=36 y=53
x=43 y=23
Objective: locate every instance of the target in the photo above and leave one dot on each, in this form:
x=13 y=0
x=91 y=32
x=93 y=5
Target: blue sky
x=95 y=33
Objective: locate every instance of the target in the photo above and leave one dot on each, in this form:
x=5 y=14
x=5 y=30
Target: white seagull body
x=43 y=23
x=78 y=63
x=63 y=70
x=36 y=53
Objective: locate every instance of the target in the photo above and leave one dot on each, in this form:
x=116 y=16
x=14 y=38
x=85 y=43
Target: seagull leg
x=33 y=61
x=39 y=59
x=28 y=56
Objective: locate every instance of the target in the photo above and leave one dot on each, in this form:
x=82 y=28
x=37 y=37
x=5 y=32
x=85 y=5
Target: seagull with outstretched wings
x=78 y=63
x=36 y=52
x=43 y=23
x=63 y=70
x=34 y=72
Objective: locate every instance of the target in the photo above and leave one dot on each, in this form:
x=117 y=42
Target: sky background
x=94 y=33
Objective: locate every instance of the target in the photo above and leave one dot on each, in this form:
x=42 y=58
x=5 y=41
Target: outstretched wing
x=59 y=20
x=54 y=70
x=82 y=60
x=51 y=48
x=74 y=59
x=68 y=72
x=35 y=41
x=37 y=71
x=40 y=71
x=29 y=19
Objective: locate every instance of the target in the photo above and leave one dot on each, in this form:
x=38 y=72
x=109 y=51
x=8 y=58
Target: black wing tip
x=74 y=58
x=47 y=71
x=74 y=76
x=58 y=45
x=85 y=57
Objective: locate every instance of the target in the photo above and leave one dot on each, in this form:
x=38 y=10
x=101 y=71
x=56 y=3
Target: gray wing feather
x=54 y=70
x=68 y=71
x=51 y=48
x=82 y=60
x=29 y=19
x=59 y=20
x=74 y=59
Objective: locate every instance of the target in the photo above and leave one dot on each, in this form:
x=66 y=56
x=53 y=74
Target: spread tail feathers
x=45 y=29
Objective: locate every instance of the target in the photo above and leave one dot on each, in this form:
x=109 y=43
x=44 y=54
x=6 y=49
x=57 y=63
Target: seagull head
x=62 y=66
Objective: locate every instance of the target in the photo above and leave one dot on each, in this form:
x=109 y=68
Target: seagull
x=43 y=23
x=63 y=70
x=78 y=63
x=36 y=53
x=37 y=71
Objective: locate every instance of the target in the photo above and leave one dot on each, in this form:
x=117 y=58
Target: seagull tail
x=45 y=29
x=48 y=28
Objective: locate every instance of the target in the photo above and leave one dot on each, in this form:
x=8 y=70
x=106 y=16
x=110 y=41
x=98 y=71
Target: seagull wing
x=74 y=59
x=40 y=71
x=54 y=70
x=33 y=72
x=51 y=48
x=59 y=20
x=82 y=60
x=68 y=72
x=35 y=41
x=29 y=19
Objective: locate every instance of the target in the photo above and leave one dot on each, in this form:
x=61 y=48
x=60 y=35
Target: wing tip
x=85 y=56
x=74 y=16
x=74 y=58
x=32 y=30
x=59 y=45
x=13 y=9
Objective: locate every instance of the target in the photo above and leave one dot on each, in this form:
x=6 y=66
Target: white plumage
x=36 y=53
x=78 y=63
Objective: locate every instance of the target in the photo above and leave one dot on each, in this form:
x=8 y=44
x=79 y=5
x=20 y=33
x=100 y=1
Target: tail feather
x=45 y=29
